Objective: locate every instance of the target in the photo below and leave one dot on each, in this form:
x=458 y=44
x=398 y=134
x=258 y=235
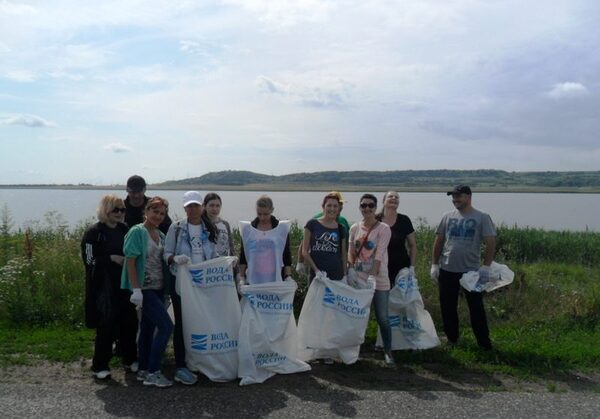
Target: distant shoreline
x=317 y=188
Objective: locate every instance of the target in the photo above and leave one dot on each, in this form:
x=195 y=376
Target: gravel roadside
x=366 y=389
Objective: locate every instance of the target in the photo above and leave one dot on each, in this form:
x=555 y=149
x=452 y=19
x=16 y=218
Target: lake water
x=552 y=211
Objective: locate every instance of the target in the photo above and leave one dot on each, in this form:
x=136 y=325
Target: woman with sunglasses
x=147 y=276
x=402 y=250
x=324 y=243
x=190 y=240
x=107 y=307
x=367 y=255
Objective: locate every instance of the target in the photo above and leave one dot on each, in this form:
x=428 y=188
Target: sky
x=92 y=92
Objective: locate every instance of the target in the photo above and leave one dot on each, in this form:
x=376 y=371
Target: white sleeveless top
x=264 y=251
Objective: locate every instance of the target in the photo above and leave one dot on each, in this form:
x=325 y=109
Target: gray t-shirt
x=463 y=235
x=154 y=271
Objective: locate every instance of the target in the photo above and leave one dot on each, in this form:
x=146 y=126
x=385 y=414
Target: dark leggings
x=178 y=344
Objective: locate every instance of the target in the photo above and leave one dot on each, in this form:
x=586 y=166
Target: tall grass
x=42 y=276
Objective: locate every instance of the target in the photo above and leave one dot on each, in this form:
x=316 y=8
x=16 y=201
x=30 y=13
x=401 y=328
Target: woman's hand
x=181 y=259
x=118 y=259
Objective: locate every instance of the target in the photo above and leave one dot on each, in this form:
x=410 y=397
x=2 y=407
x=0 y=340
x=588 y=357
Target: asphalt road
x=367 y=390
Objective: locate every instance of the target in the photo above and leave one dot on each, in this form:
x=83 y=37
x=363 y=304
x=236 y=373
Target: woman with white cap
x=190 y=240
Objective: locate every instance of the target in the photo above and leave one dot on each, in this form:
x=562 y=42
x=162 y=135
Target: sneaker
x=185 y=376
x=156 y=379
x=327 y=361
x=102 y=374
x=378 y=348
x=133 y=367
x=389 y=359
x=141 y=375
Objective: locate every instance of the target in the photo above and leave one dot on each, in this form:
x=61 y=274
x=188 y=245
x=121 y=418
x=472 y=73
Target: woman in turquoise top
x=146 y=275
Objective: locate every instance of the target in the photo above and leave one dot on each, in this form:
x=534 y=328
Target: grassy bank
x=546 y=321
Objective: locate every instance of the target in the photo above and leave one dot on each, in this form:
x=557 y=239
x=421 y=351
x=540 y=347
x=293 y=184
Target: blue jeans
x=381 y=303
x=154 y=316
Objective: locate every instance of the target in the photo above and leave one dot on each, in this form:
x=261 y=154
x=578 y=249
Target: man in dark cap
x=456 y=250
x=135 y=203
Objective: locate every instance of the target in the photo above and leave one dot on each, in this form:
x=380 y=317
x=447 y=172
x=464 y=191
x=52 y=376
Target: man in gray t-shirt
x=456 y=250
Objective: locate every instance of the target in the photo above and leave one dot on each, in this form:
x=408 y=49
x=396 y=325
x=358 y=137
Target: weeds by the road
x=546 y=321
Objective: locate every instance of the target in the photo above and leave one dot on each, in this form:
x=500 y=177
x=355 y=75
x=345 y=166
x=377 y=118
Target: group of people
x=133 y=252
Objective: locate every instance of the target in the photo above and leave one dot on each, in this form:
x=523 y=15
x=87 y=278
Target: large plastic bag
x=412 y=326
x=500 y=276
x=406 y=290
x=211 y=317
x=333 y=320
x=268 y=336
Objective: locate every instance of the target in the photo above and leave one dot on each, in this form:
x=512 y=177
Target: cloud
x=10 y=8
x=567 y=90
x=286 y=13
x=32 y=121
x=334 y=95
x=23 y=76
x=117 y=148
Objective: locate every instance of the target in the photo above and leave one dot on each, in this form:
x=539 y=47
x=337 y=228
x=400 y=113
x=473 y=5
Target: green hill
x=493 y=180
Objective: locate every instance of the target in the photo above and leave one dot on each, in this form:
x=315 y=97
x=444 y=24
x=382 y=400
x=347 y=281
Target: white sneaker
x=389 y=359
x=102 y=375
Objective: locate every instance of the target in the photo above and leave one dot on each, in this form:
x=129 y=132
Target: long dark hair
x=208 y=224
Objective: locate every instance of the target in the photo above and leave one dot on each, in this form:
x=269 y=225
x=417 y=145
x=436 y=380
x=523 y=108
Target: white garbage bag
x=406 y=289
x=500 y=276
x=333 y=321
x=412 y=326
x=268 y=342
x=211 y=317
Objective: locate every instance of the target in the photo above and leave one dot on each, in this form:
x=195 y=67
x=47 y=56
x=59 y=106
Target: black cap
x=458 y=189
x=136 y=184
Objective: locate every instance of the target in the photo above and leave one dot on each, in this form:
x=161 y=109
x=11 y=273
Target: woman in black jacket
x=107 y=306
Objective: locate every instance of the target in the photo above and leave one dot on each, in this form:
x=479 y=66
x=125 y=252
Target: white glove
x=288 y=278
x=484 y=274
x=320 y=274
x=241 y=281
x=137 y=297
x=181 y=259
x=372 y=281
x=435 y=272
x=412 y=271
x=300 y=268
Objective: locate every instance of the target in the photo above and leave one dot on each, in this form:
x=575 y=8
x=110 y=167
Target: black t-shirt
x=397 y=253
x=326 y=248
x=114 y=246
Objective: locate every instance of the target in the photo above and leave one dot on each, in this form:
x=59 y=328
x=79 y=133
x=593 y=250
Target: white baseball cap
x=192 y=197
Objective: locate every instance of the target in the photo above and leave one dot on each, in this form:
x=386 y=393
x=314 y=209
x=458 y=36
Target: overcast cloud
x=295 y=85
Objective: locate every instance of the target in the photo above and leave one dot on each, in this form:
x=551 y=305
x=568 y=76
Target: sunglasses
x=369 y=205
x=117 y=210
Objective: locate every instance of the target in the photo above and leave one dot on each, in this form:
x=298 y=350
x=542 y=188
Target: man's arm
x=438 y=244
x=490 y=250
